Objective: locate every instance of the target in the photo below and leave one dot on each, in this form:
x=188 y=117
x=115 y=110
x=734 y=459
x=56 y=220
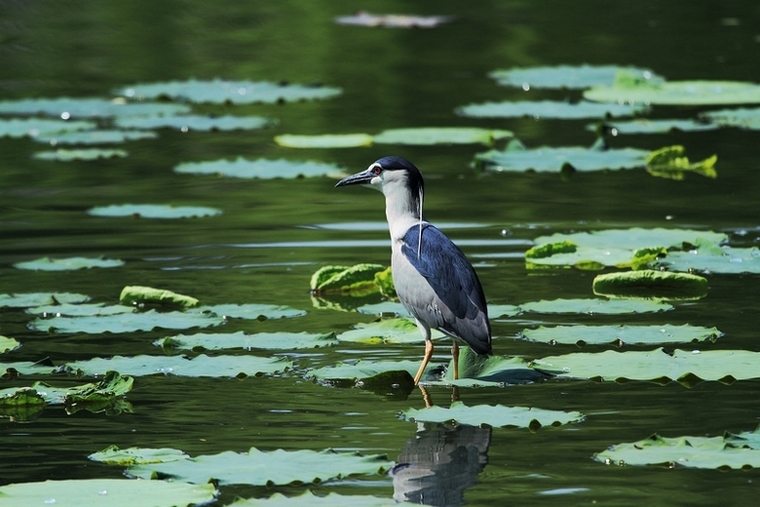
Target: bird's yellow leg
x=426 y=397
x=455 y=357
x=425 y=361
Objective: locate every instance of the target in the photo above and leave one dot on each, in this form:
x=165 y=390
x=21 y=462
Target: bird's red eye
x=377 y=169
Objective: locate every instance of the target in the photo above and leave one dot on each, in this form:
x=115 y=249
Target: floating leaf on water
x=35 y=127
x=363 y=18
x=253 y=311
x=671 y=163
x=23 y=404
x=138 y=294
x=153 y=211
x=502 y=311
x=361 y=370
x=88 y=108
x=441 y=135
x=746 y=118
x=193 y=122
x=568 y=76
x=241 y=340
x=357 y=280
x=622 y=334
x=127 y=322
x=64 y=155
x=80 y=310
x=547 y=109
x=31 y=299
x=496 y=416
x=650 y=283
x=262 y=468
x=26 y=368
x=728 y=451
x=120 y=492
x=547 y=159
x=7 y=344
x=259 y=168
x=219 y=91
x=726 y=260
x=593 y=306
x=324 y=141
x=94 y=137
x=112 y=455
x=309 y=499
x=68 y=264
x=387 y=331
x=112 y=386
x=200 y=366
x=647 y=126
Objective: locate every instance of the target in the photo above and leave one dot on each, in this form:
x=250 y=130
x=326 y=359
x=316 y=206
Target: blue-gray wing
x=455 y=283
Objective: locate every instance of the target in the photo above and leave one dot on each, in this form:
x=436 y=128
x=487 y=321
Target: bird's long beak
x=362 y=178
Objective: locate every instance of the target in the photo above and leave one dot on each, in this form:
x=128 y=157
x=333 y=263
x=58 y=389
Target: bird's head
x=395 y=177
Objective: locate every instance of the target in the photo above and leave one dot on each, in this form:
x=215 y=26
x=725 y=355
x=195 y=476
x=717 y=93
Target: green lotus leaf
x=219 y=91
x=200 y=366
x=547 y=109
x=31 y=299
x=671 y=163
x=138 y=294
x=441 y=135
x=686 y=367
x=309 y=499
x=8 y=344
x=636 y=237
x=12 y=397
x=253 y=311
x=647 y=126
x=650 y=283
x=501 y=311
x=241 y=340
x=622 y=334
x=112 y=386
x=362 y=370
x=80 y=310
x=630 y=90
x=88 y=108
x=162 y=211
x=127 y=322
x=112 y=455
x=568 y=76
x=387 y=331
x=324 y=140
x=105 y=493
x=496 y=416
x=27 y=368
x=477 y=370
x=746 y=118
x=595 y=306
x=358 y=280
x=68 y=264
x=35 y=127
x=193 y=122
x=94 y=137
x=689 y=452
x=384 y=281
x=260 y=168
x=262 y=468
x=64 y=155
x=726 y=260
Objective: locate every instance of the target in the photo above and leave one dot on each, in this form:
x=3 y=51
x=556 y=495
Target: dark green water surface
x=273 y=234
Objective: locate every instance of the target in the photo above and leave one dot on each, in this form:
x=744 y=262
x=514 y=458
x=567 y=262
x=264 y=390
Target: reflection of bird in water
x=439 y=463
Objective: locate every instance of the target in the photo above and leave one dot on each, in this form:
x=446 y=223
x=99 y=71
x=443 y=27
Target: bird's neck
x=402 y=214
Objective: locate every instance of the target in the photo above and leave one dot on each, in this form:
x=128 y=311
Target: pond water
x=273 y=234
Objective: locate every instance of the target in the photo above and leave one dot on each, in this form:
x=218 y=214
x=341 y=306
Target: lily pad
x=8 y=344
x=568 y=76
x=622 y=334
x=113 y=385
x=262 y=468
x=324 y=140
x=547 y=109
x=595 y=306
x=725 y=260
x=496 y=416
x=31 y=299
x=253 y=311
x=647 y=126
x=220 y=91
x=357 y=280
x=387 y=331
x=241 y=340
x=686 y=367
x=200 y=366
x=441 y=135
x=502 y=311
x=27 y=368
x=193 y=122
x=671 y=162
x=112 y=455
x=88 y=108
x=138 y=294
x=163 y=211
x=309 y=499
x=362 y=370
x=68 y=264
x=728 y=451
x=80 y=310
x=105 y=493
x=127 y=322
x=35 y=127
x=650 y=283
x=94 y=137
x=747 y=118
x=260 y=168
x=64 y=155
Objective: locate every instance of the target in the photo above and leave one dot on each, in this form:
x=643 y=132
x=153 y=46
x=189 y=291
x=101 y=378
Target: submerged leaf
x=567 y=76
x=496 y=416
x=324 y=141
x=650 y=283
x=163 y=211
x=621 y=334
x=259 y=168
x=67 y=264
x=137 y=295
x=548 y=110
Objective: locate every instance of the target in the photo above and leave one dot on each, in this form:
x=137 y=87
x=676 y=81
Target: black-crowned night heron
x=434 y=280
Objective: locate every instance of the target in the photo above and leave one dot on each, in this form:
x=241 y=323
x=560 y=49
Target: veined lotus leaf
x=153 y=211
x=127 y=322
x=747 y=118
x=34 y=127
x=689 y=452
x=68 y=264
x=547 y=159
x=686 y=367
x=8 y=344
x=253 y=311
x=622 y=334
x=200 y=366
x=193 y=122
x=64 y=155
x=30 y=299
x=324 y=140
x=496 y=416
x=670 y=162
x=441 y=135
x=650 y=283
x=80 y=310
x=356 y=280
x=138 y=294
x=307 y=498
x=88 y=108
x=547 y=109
x=113 y=385
x=112 y=455
x=105 y=493
x=260 y=168
x=261 y=468
x=387 y=331
x=241 y=340
x=595 y=306
x=568 y=76
x=675 y=93
x=219 y=91
x=392 y=20
x=647 y=126
x=726 y=260
x=94 y=137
